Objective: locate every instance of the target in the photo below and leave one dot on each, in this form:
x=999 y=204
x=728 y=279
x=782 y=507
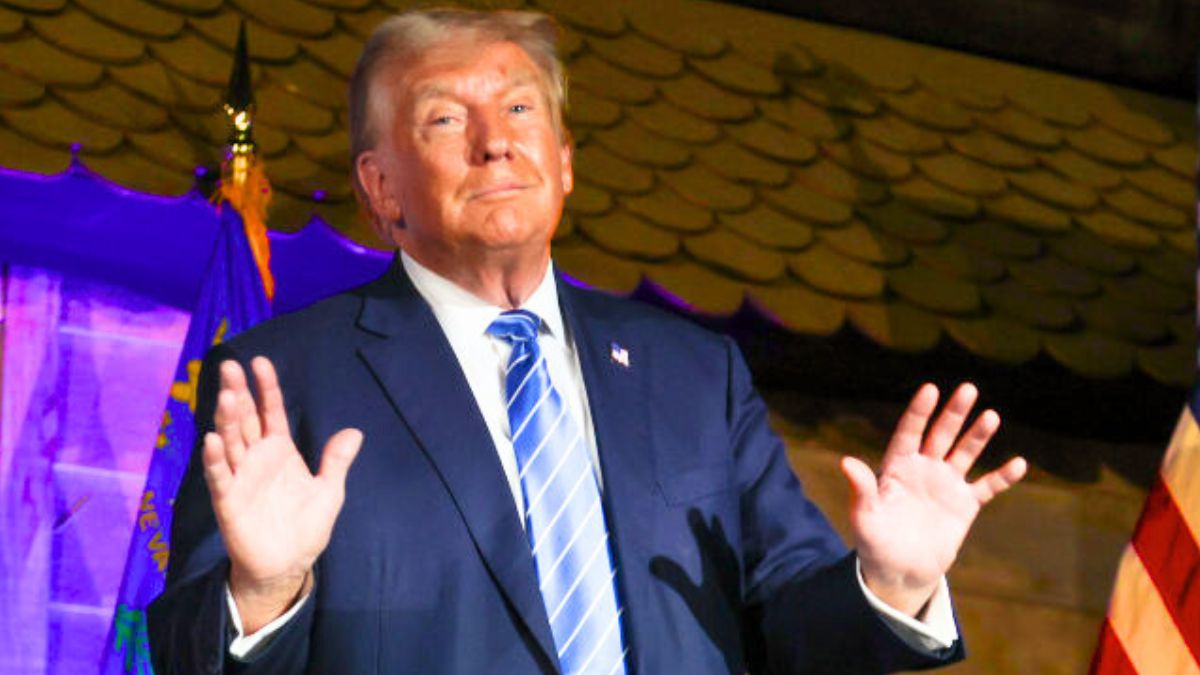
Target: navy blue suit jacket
x=724 y=565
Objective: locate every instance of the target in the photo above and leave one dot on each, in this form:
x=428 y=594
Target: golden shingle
x=596 y=267
x=1051 y=275
x=77 y=32
x=1145 y=291
x=994 y=237
x=288 y=213
x=170 y=149
x=799 y=309
x=166 y=87
x=1030 y=215
x=623 y=233
x=769 y=227
x=1136 y=205
x=570 y=43
x=1164 y=186
x=954 y=260
x=593 y=74
x=192 y=6
x=964 y=87
x=1133 y=324
x=1051 y=105
x=902 y=220
x=23 y=154
x=1021 y=127
x=664 y=26
x=773 y=141
x=827 y=270
x=263 y=43
x=1170 y=267
x=270 y=141
x=635 y=144
x=1174 y=365
x=54 y=125
x=634 y=52
x=16 y=90
x=296 y=174
x=1179 y=158
x=138 y=173
x=856 y=240
x=896 y=325
x=705 y=99
x=281 y=108
x=736 y=256
x=667 y=120
x=289 y=16
x=1053 y=190
x=884 y=74
x=37 y=6
x=735 y=73
x=135 y=16
x=588 y=200
x=990 y=149
x=667 y=209
x=800 y=202
x=41 y=62
x=930 y=197
x=925 y=287
x=1091 y=354
x=11 y=23
x=195 y=57
x=929 y=110
x=362 y=24
x=1014 y=299
x=594 y=17
x=331 y=150
x=868 y=159
x=795 y=61
x=599 y=166
x=1184 y=242
x=837 y=94
x=995 y=338
x=894 y=133
x=962 y=175
x=700 y=288
x=736 y=163
x=210 y=128
x=337 y=52
x=804 y=117
x=707 y=190
x=586 y=110
x=1083 y=248
x=1134 y=125
x=831 y=180
x=115 y=107
x=1114 y=229
x=1070 y=164
x=565 y=229
x=1100 y=143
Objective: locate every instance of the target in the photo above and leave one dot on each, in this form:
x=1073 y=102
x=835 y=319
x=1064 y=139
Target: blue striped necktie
x=564 y=519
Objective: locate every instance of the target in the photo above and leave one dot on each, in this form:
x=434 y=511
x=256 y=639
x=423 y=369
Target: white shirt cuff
x=934 y=631
x=244 y=647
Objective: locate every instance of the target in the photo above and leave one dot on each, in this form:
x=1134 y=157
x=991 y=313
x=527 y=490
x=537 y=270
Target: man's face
x=471 y=160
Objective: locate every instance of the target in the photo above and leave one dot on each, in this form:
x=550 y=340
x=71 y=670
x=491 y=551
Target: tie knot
x=516 y=325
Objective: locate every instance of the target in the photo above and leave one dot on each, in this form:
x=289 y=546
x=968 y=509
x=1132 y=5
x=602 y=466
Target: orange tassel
x=245 y=186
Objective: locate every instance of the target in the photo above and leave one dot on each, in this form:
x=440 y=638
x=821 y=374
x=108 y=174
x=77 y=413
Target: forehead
x=464 y=65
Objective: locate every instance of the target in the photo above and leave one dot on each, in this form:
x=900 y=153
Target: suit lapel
x=617 y=396
x=417 y=369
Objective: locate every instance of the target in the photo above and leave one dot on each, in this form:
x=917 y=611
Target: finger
x=339 y=454
x=949 y=423
x=863 y=486
x=994 y=482
x=972 y=443
x=216 y=469
x=270 y=397
x=906 y=440
x=233 y=379
x=229 y=427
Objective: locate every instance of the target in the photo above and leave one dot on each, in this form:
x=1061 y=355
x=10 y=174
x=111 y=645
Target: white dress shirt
x=465 y=318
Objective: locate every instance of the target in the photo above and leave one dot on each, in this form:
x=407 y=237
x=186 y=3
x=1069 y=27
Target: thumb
x=863 y=486
x=340 y=451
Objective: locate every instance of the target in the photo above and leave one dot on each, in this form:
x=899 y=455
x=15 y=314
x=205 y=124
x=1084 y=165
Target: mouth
x=498 y=191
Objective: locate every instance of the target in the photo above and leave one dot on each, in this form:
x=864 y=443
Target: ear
x=375 y=176
x=568 y=171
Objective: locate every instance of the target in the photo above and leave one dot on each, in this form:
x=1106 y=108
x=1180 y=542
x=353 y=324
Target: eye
x=441 y=120
x=518 y=108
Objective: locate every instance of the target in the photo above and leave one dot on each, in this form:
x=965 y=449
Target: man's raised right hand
x=275 y=516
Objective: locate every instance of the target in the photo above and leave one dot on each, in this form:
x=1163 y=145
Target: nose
x=492 y=142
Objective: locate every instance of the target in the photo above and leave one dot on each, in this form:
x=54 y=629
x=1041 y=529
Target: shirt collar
x=462 y=313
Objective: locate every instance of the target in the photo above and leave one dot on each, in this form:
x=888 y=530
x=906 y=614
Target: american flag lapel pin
x=620 y=355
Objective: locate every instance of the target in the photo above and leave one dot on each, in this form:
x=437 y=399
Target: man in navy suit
x=413 y=546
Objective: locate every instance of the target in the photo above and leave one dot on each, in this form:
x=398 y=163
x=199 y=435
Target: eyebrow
x=437 y=90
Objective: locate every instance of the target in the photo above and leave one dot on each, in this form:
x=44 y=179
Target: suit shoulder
x=643 y=316
x=322 y=320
